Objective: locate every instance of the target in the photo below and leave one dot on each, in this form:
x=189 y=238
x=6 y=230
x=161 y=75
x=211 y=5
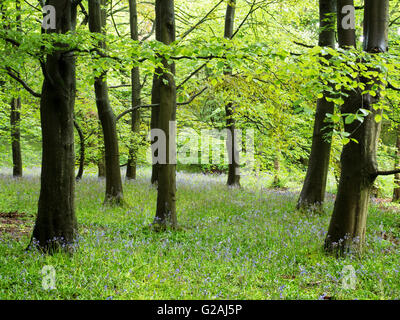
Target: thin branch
x=157 y=105
x=135 y=108
x=191 y=75
x=119 y=86
x=201 y=21
x=153 y=28
x=303 y=45
x=23 y=83
x=390 y=86
x=245 y=18
x=192 y=98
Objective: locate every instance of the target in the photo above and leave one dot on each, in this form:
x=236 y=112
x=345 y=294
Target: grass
x=232 y=244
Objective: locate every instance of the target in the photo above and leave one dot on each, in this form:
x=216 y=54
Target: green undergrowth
x=247 y=243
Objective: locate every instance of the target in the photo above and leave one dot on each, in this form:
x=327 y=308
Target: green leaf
x=378 y=118
x=350 y=119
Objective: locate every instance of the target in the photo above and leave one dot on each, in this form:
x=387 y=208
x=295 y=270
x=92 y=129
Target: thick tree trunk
x=155 y=98
x=166 y=206
x=15 y=118
x=313 y=191
x=136 y=92
x=232 y=143
x=114 y=191
x=81 y=151
x=56 y=225
x=346 y=35
x=396 y=190
x=359 y=166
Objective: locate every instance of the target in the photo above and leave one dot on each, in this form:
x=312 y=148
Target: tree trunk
x=359 y=165
x=155 y=98
x=136 y=101
x=81 y=151
x=56 y=225
x=396 y=190
x=232 y=144
x=313 y=191
x=276 y=183
x=114 y=191
x=15 y=118
x=166 y=206
x=346 y=36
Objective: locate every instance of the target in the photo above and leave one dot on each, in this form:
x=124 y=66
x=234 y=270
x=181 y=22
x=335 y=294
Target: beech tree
x=232 y=143
x=313 y=191
x=155 y=96
x=56 y=225
x=114 y=190
x=358 y=160
x=15 y=118
x=136 y=92
x=166 y=198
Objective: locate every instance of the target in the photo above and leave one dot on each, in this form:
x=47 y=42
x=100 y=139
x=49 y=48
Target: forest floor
x=232 y=244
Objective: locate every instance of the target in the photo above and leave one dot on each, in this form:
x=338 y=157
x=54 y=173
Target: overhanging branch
x=386 y=173
x=23 y=83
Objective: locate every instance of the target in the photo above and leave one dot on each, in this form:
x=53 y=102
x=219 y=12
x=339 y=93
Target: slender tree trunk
x=277 y=167
x=359 y=165
x=232 y=144
x=313 y=192
x=136 y=101
x=155 y=98
x=114 y=191
x=56 y=225
x=81 y=151
x=396 y=190
x=166 y=206
x=15 y=118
